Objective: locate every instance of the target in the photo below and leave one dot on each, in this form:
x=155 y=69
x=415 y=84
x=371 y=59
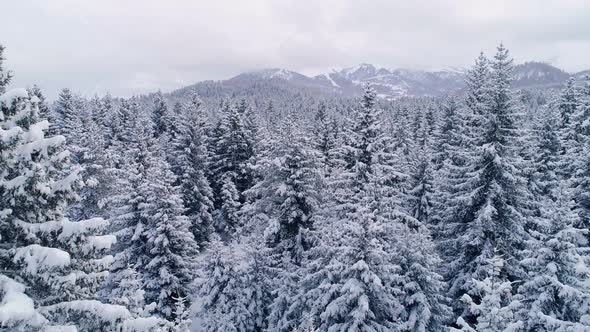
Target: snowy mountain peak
x=363 y=71
x=393 y=83
x=275 y=73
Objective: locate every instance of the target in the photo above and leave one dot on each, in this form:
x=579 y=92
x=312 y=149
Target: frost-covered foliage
x=494 y=307
x=51 y=266
x=555 y=294
x=232 y=298
x=484 y=210
x=191 y=162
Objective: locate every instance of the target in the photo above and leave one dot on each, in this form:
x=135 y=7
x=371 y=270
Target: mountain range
x=389 y=83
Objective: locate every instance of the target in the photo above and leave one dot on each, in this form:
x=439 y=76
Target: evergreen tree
x=228 y=221
x=233 y=152
x=545 y=178
x=420 y=196
x=191 y=159
x=354 y=280
x=161 y=116
x=285 y=201
x=154 y=235
x=555 y=294
x=496 y=307
x=5 y=76
x=59 y=264
x=231 y=298
x=325 y=135
x=484 y=212
x=170 y=245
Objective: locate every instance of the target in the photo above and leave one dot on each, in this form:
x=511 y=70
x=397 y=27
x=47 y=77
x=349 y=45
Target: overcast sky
x=134 y=46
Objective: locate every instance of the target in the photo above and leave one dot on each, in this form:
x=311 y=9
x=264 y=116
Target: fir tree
x=354 y=279
x=5 y=76
x=554 y=295
x=285 y=201
x=231 y=296
x=59 y=264
x=495 y=308
x=484 y=211
x=191 y=159
x=161 y=116
x=325 y=135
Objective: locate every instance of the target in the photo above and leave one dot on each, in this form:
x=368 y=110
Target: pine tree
x=153 y=233
x=555 y=295
x=59 y=264
x=170 y=244
x=231 y=298
x=285 y=200
x=449 y=159
x=420 y=196
x=227 y=221
x=233 y=153
x=354 y=278
x=161 y=115
x=5 y=76
x=568 y=103
x=496 y=307
x=325 y=136
x=484 y=211
x=191 y=161
x=182 y=322
x=69 y=114
x=545 y=178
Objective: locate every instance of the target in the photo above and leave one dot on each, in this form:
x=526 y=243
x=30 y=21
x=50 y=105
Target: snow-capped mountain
x=389 y=83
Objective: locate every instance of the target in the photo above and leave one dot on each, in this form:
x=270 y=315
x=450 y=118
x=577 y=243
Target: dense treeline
x=295 y=213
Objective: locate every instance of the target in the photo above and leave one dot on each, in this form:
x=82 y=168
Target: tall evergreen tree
x=355 y=280
x=59 y=264
x=161 y=116
x=484 y=211
x=285 y=200
x=325 y=136
x=191 y=160
x=5 y=76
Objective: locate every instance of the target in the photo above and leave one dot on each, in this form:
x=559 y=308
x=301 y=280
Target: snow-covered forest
x=269 y=211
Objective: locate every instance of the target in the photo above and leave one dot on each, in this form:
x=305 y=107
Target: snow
x=8 y=97
x=40 y=259
x=66 y=228
x=101 y=311
x=334 y=84
x=35 y=132
x=142 y=324
x=71 y=228
x=15 y=305
x=101 y=242
x=282 y=74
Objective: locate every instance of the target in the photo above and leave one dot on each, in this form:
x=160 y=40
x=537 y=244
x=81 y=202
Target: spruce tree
x=555 y=295
x=484 y=211
x=231 y=297
x=491 y=300
x=5 y=76
x=285 y=200
x=59 y=264
x=161 y=116
x=325 y=136
x=191 y=160
x=354 y=279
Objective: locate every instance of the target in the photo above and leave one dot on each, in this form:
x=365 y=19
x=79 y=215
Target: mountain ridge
x=389 y=83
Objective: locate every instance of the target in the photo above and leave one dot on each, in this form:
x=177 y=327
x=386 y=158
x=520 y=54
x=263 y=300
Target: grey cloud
x=134 y=46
